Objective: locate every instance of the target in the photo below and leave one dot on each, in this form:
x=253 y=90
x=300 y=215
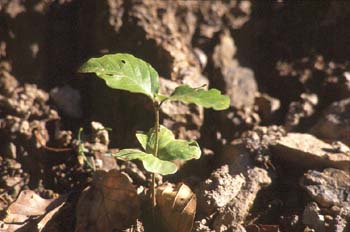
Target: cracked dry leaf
x=111 y=202
x=30 y=212
x=177 y=207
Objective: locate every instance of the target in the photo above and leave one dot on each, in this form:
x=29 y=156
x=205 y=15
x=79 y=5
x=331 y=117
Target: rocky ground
x=277 y=160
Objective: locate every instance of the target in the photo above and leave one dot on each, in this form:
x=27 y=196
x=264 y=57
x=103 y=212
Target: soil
x=276 y=160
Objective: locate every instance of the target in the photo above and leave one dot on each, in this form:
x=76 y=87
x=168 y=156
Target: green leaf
x=169 y=148
x=126 y=72
x=142 y=138
x=161 y=97
x=150 y=162
x=180 y=150
x=207 y=98
x=148 y=140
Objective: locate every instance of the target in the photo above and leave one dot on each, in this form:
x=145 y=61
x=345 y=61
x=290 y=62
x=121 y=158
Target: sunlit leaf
x=142 y=138
x=161 y=97
x=148 y=140
x=126 y=72
x=177 y=207
x=169 y=147
x=180 y=150
x=207 y=98
x=150 y=162
x=30 y=212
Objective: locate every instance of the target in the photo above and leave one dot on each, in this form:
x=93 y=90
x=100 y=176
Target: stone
x=200 y=226
x=300 y=110
x=162 y=28
x=313 y=218
x=238 y=208
x=267 y=106
x=219 y=189
x=230 y=191
x=328 y=188
x=8 y=83
x=307 y=151
x=334 y=123
x=237 y=82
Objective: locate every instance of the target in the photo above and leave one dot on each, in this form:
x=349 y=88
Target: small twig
x=38 y=139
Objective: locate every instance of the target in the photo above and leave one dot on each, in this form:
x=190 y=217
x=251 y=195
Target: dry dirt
x=276 y=160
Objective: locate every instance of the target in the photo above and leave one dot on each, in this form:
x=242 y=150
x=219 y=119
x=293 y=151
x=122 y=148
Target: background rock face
x=278 y=157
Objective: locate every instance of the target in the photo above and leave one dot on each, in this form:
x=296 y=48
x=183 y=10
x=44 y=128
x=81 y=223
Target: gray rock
x=261 y=138
x=313 y=218
x=339 y=224
x=230 y=191
x=238 y=209
x=300 y=110
x=334 y=124
x=307 y=151
x=238 y=82
x=200 y=226
x=8 y=83
x=328 y=188
x=219 y=189
x=164 y=30
x=10 y=151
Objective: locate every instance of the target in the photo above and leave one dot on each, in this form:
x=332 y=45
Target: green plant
x=126 y=72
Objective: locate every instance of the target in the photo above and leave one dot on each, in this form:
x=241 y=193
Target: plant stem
x=155 y=152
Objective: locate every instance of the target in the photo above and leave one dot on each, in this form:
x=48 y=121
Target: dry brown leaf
x=30 y=212
x=110 y=203
x=41 y=225
x=177 y=207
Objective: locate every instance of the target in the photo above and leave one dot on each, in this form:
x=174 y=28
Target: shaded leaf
x=150 y=162
x=110 y=203
x=30 y=205
x=169 y=147
x=207 y=98
x=177 y=207
x=126 y=72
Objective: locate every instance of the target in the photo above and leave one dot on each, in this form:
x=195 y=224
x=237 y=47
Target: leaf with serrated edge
x=150 y=162
x=207 y=98
x=169 y=148
x=126 y=72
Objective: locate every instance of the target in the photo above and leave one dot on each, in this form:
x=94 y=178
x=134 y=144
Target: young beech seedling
x=126 y=72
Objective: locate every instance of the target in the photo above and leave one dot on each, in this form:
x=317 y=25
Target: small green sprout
x=82 y=159
x=126 y=72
